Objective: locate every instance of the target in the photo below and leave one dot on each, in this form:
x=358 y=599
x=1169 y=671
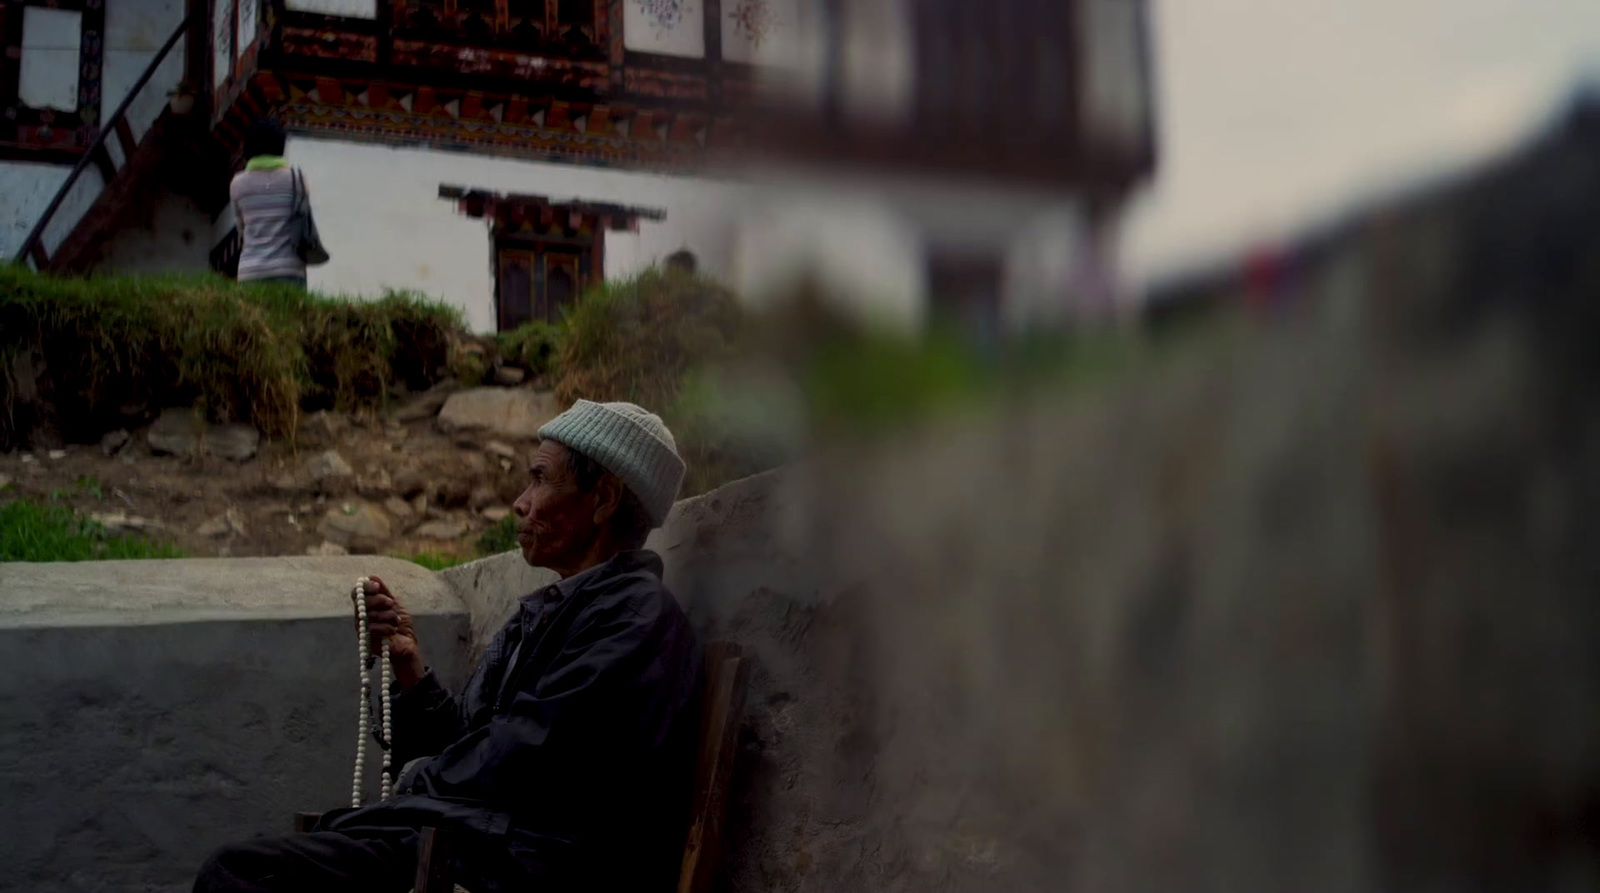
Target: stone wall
x=1296 y=605
x=153 y=710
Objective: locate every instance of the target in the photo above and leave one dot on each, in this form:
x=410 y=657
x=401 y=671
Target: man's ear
x=607 y=498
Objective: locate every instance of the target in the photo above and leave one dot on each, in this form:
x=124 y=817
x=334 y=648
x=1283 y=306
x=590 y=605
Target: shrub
x=253 y=353
x=636 y=339
x=641 y=340
x=534 y=346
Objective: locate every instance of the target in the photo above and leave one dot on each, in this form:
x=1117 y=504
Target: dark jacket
x=573 y=741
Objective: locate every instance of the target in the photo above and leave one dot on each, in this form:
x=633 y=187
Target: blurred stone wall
x=1306 y=601
x=1307 y=604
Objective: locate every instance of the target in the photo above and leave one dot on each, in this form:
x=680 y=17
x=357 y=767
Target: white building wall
x=864 y=253
x=25 y=190
x=381 y=218
x=865 y=239
x=175 y=238
x=135 y=30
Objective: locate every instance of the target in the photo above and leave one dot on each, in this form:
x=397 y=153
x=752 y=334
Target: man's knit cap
x=628 y=441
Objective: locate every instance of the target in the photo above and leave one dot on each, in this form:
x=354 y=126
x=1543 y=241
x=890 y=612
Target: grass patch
x=502 y=537
x=32 y=532
x=535 y=346
x=437 y=561
x=255 y=353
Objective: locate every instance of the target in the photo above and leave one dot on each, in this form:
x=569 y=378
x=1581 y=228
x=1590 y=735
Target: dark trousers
x=379 y=860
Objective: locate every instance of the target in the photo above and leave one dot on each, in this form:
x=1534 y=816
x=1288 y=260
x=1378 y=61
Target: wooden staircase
x=112 y=182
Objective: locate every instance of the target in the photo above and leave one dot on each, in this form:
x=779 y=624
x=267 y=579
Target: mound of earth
x=401 y=483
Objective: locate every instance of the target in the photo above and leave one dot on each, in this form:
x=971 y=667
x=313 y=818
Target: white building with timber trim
x=916 y=156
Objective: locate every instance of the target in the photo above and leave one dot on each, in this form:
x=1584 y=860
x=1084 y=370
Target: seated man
x=566 y=763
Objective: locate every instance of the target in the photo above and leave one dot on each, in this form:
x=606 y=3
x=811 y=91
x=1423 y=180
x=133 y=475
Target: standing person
x=263 y=210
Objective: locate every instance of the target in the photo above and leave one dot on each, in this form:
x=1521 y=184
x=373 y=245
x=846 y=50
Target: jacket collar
x=621 y=563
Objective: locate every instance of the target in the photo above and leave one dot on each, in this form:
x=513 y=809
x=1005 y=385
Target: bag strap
x=297 y=188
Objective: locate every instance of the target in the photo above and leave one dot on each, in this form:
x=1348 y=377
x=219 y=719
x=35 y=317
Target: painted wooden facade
x=999 y=88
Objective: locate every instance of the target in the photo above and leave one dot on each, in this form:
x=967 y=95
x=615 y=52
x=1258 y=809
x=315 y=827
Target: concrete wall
x=155 y=710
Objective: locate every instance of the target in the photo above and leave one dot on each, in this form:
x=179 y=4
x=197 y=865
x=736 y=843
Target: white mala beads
x=363 y=727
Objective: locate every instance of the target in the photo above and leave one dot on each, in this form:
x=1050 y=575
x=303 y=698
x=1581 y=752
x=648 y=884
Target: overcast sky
x=1276 y=113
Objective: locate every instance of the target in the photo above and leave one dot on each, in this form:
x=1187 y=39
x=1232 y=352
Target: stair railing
x=33 y=247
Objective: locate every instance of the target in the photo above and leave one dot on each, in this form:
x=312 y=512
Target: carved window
x=51 y=55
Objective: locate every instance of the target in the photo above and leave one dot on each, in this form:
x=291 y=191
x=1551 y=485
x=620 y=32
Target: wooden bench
x=719 y=742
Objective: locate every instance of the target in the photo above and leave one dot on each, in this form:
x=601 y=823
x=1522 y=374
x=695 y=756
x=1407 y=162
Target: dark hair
x=265 y=137
x=631 y=523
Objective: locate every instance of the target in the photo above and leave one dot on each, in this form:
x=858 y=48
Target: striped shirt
x=263 y=205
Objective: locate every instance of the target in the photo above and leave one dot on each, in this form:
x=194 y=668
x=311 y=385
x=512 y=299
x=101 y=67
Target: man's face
x=555 y=520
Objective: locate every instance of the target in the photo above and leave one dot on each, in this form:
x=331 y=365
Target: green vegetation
x=741 y=392
x=32 y=532
x=641 y=340
x=533 y=346
x=502 y=537
x=437 y=561
x=865 y=380
x=254 y=353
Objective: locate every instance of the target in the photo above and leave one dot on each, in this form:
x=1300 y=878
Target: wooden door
x=540 y=280
x=517 y=290
x=562 y=280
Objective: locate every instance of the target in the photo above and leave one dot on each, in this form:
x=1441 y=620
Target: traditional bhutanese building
x=917 y=157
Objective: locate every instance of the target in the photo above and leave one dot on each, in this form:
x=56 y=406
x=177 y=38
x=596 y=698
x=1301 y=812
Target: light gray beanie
x=628 y=441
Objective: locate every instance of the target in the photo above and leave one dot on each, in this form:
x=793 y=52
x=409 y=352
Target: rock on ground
x=482 y=496
x=329 y=471
x=327 y=548
x=442 y=530
x=517 y=414
x=357 y=526
x=508 y=375
x=398 y=507
x=236 y=442
x=324 y=424
x=177 y=432
x=119 y=522
x=501 y=448
x=113 y=441
x=451 y=493
x=495 y=513
x=426 y=405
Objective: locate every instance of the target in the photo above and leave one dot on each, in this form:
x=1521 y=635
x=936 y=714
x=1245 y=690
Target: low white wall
x=151 y=711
